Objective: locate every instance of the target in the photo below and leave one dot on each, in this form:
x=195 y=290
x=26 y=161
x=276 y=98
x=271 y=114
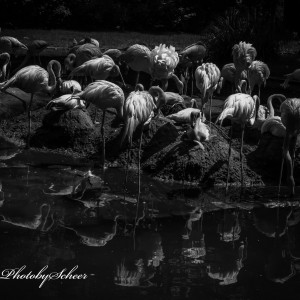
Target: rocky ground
x=165 y=152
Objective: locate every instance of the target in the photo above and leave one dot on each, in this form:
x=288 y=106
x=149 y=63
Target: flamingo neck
x=178 y=83
x=270 y=103
x=157 y=91
x=52 y=78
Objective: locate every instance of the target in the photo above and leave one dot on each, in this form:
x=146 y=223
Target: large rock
x=64 y=129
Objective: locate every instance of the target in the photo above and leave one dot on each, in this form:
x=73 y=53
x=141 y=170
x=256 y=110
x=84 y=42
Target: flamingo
x=163 y=61
x=184 y=115
x=199 y=131
x=69 y=86
x=82 y=54
x=104 y=94
x=138 y=110
x=207 y=77
x=228 y=74
x=137 y=57
x=98 y=69
x=190 y=57
x=34 y=50
x=86 y=40
x=114 y=54
x=12 y=46
x=4 y=61
x=64 y=103
x=241 y=109
x=295 y=75
x=273 y=124
x=290 y=116
x=243 y=55
x=33 y=79
x=258 y=73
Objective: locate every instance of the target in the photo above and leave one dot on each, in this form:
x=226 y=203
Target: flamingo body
x=259 y=72
x=292 y=76
x=65 y=102
x=11 y=45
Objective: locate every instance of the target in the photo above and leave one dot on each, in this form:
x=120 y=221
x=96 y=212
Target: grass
x=107 y=40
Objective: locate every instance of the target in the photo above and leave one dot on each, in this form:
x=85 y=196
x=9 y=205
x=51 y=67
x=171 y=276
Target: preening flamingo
x=33 y=79
x=189 y=58
x=258 y=73
x=64 y=103
x=4 y=61
x=243 y=55
x=199 y=131
x=273 y=124
x=241 y=109
x=139 y=109
x=137 y=57
x=114 y=54
x=34 y=50
x=104 y=94
x=291 y=76
x=163 y=61
x=207 y=77
x=228 y=74
x=290 y=116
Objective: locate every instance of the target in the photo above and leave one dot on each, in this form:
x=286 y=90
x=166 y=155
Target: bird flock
x=94 y=72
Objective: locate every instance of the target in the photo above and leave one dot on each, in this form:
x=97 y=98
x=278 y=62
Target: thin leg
x=39 y=58
x=293 y=143
x=137 y=78
x=139 y=175
x=241 y=158
x=29 y=121
x=103 y=140
x=228 y=164
x=192 y=89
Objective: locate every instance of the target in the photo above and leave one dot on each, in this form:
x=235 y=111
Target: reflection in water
x=227 y=264
x=140 y=268
x=96 y=236
x=193 y=240
x=229 y=228
x=186 y=244
x=34 y=222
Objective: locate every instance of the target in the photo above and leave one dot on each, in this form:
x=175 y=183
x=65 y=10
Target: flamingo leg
x=192 y=90
x=103 y=140
x=139 y=174
x=241 y=158
x=228 y=164
x=137 y=78
x=29 y=122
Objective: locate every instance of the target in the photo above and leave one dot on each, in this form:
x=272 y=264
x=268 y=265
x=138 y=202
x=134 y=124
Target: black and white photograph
x=149 y=149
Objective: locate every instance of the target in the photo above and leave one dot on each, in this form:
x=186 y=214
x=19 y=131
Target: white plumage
x=184 y=116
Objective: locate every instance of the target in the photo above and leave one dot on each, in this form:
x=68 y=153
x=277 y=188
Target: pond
x=188 y=242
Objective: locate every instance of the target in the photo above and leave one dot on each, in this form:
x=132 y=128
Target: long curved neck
x=156 y=90
x=178 y=83
x=270 y=102
x=52 y=78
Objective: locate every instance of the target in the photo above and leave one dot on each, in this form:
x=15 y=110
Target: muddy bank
x=165 y=153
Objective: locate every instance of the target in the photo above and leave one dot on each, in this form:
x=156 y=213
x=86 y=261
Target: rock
x=64 y=129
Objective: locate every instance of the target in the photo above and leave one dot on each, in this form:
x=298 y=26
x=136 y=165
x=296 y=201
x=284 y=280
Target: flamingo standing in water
x=103 y=94
x=33 y=79
x=4 y=61
x=241 y=109
x=139 y=110
x=207 y=77
x=243 y=56
x=290 y=116
x=163 y=61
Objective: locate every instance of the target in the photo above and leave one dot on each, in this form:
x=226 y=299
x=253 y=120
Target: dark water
x=189 y=242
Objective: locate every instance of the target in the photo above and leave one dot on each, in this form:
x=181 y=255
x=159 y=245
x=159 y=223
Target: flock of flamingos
x=86 y=60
